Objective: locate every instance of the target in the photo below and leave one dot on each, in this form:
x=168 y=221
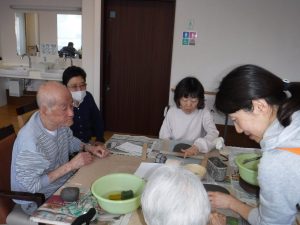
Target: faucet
x=29 y=59
x=68 y=57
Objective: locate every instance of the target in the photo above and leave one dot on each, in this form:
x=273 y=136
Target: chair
x=24 y=112
x=11 y=213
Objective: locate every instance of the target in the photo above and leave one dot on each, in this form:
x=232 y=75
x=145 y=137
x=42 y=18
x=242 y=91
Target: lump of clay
x=70 y=194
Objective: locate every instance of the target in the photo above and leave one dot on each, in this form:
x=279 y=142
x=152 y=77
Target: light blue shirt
x=36 y=153
x=278 y=175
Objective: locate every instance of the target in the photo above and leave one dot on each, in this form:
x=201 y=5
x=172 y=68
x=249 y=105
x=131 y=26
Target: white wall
x=91 y=25
x=48 y=27
x=233 y=32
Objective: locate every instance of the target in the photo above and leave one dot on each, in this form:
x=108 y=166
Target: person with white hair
x=174 y=195
x=40 y=158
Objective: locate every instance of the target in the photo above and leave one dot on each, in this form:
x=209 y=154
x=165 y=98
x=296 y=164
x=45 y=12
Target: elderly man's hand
x=80 y=160
x=99 y=150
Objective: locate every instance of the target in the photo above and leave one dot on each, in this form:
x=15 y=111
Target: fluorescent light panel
x=46 y=8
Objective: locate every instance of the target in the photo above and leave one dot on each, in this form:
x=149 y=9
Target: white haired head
x=174 y=195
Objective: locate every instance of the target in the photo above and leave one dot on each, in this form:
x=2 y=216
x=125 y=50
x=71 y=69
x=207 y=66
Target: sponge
x=121 y=196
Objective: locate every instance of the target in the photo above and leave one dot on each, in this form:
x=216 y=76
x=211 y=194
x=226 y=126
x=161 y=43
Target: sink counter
x=31 y=73
x=15 y=70
x=8 y=72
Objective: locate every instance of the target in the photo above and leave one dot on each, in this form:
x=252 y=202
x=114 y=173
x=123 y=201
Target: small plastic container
x=216 y=168
x=160 y=158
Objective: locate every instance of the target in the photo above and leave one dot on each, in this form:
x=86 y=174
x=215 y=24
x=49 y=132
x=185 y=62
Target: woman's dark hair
x=189 y=87
x=73 y=71
x=251 y=82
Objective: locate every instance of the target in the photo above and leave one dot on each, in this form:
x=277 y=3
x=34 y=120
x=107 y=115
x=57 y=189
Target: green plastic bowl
x=118 y=182
x=248 y=171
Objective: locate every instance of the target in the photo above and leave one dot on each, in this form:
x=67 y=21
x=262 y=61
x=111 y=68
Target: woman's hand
x=225 y=201
x=190 y=151
x=220 y=200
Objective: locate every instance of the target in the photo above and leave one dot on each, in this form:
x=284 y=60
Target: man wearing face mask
x=88 y=120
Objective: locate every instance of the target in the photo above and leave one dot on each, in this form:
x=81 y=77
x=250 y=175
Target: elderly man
x=40 y=160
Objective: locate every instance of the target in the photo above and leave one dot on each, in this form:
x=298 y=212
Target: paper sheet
x=146 y=169
x=132 y=149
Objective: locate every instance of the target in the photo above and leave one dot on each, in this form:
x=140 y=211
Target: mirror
x=27 y=33
x=45 y=33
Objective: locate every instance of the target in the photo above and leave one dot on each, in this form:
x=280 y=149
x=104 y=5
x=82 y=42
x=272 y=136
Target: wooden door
x=137 y=52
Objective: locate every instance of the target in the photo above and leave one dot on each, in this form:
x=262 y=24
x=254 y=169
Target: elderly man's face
x=62 y=114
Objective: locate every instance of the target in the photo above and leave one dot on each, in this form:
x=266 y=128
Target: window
x=20 y=33
x=69 y=30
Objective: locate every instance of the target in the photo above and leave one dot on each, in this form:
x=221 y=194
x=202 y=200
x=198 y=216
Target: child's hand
x=190 y=151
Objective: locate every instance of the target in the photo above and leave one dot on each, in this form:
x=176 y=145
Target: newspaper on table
x=132 y=145
x=57 y=211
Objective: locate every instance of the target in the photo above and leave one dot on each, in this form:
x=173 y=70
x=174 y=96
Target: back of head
x=73 y=71
x=174 y=195
x=250 y=82
x=189 y=87
x=70 y=44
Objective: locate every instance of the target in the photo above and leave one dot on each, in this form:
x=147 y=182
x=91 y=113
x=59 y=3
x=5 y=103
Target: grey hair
x=46 y=95
x=174 y=195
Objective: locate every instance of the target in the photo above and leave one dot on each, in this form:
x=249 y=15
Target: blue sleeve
x=98 y=123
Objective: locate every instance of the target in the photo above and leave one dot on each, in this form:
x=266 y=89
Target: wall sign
x=189 y=37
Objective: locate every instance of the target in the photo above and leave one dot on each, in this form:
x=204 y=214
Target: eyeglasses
x=77 y=87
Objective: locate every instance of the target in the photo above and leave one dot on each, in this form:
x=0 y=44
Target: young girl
x=189 y=120
x=257 y=102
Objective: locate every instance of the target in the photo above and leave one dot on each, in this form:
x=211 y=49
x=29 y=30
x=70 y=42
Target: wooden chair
x=9 y=212
x=24 y=112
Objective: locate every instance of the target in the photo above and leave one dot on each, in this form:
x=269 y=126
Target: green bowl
x=118 y=182
x=248 y=171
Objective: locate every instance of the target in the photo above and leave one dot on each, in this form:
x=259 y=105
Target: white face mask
x=78 y=96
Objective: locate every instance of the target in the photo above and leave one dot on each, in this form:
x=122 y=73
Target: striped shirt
x=36 y=153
